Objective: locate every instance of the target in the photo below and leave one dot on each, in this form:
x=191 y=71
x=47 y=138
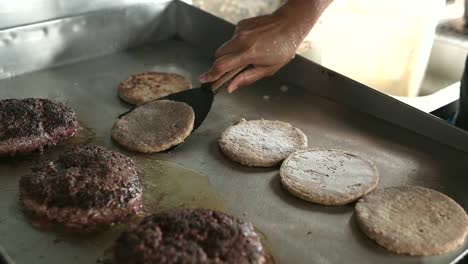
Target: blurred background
x=413 y=50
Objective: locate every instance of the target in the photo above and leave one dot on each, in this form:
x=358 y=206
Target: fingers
x=232 y=46
x=223 y=65
x=250 y=76
x=254 y=42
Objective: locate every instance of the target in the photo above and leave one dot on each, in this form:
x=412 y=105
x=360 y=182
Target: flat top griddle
x=295 y=231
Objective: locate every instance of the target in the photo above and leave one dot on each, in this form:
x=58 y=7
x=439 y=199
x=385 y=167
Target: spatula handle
x=4 y=258
x=226 y=78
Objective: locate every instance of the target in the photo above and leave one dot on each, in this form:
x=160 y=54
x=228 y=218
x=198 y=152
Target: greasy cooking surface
x=296 y=230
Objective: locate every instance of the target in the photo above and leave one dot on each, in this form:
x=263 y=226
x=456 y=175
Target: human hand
x=267 y=43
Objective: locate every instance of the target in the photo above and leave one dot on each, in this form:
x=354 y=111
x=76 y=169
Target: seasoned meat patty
x=155 y=126
x=148 y=86
x=328 y=176
x=261 y=143
x=31 y=124
x=189 y=236
x=85 y=188
x=412 y=220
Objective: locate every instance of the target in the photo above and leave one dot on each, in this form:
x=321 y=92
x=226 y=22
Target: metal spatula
x=201 y=99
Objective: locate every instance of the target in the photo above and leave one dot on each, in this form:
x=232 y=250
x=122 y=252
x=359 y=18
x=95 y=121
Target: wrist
x=301 y=15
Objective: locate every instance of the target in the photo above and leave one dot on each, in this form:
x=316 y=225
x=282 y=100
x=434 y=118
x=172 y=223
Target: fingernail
x=203 y=77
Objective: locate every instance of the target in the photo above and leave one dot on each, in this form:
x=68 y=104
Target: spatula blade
x=200 y=99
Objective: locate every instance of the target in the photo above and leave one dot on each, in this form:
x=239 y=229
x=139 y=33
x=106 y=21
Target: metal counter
x=91 y=53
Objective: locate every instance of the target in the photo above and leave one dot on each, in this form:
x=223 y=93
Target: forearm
x=302 y=15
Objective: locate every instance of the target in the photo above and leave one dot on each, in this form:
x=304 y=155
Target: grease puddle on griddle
x=166 y=185
x=84 y=135
x=169 y=185
x=266 y=246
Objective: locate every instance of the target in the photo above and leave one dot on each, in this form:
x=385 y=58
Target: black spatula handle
x=4 y=258
x=226 y=78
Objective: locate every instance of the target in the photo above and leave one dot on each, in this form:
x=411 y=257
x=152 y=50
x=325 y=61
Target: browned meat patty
x=155 y=126
x=148 y=86
x=85 y=188
x=31 y=124
x=189 y=236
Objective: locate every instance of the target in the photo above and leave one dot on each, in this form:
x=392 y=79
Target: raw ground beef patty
x=85 y=188
x=31 y=124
